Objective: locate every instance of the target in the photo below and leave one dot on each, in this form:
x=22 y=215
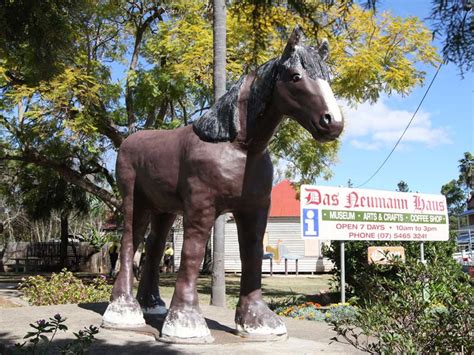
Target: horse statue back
x=219 y=164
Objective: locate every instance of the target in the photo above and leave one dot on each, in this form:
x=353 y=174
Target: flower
x=57 y=316
x=41 y=322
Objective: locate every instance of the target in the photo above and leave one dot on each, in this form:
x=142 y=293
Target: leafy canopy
x=121 y=66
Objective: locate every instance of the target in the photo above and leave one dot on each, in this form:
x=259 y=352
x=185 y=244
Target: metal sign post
x=343 y=273
x=422 y=252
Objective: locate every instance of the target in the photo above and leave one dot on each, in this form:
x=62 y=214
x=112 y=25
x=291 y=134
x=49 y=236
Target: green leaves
x=418 y=311
x=39 y=343
x=305 y=158
x=69 y=89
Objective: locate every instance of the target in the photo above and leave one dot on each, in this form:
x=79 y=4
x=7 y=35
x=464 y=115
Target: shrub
x=360 y=275
x=39 y=343
x=424 y=308
x=64 y=288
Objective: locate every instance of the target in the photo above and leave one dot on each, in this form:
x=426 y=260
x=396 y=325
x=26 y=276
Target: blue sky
x=428 y=155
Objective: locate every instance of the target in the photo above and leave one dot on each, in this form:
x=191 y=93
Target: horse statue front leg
x=123 y=310
x=253 y=318
x=184 y=322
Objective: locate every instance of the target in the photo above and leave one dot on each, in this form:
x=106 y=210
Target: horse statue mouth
x=326 y=130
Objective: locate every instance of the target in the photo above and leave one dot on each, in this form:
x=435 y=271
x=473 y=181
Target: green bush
x=420 y=308
x=64 y=288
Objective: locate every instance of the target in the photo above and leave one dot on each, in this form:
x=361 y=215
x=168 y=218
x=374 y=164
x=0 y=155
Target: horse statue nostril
x=326 y=119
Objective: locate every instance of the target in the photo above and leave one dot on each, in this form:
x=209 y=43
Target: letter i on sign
x=310 y=223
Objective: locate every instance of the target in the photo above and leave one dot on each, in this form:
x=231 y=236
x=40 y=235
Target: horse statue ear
x=323 y=49
x=296 y=38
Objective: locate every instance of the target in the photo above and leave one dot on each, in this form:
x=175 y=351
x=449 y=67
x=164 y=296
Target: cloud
x=376 y=126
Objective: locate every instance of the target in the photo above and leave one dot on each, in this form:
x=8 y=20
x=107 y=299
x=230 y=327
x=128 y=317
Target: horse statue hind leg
x=148 y=294
x=124 y=310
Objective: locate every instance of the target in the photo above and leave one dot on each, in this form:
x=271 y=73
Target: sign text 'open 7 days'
x=337 y=213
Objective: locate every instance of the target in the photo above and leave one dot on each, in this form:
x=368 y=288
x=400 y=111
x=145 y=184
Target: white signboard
x=336 y=213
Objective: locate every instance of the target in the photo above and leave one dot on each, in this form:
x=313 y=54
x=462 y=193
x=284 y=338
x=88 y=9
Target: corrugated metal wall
x=285 y=229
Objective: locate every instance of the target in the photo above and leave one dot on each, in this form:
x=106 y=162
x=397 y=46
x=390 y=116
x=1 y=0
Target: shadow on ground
x=99 y=346
x=155 y=322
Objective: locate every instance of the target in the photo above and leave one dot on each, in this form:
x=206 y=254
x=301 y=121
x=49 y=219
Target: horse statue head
x=296 y=85
x=302 y=89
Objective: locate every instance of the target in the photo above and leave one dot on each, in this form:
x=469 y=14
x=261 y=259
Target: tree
x=218 y=260
x=403 y=186
x=70 y=119
x=42 y=193
x=73 y=115
x=455 y=197
x=453 y=21
x=466 y=170
x=36 y=38
x=457 y=190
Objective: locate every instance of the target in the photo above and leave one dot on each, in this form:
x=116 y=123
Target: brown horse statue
x=219 y=164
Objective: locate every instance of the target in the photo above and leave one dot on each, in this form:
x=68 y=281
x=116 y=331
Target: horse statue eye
x=296 y=77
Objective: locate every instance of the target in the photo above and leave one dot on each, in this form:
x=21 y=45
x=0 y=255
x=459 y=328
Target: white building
x=283 y=234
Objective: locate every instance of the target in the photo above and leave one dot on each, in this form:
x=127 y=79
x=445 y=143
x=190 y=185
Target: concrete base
x=305 y=337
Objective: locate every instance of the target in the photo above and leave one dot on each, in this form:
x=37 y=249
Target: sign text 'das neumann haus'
x=336 y=213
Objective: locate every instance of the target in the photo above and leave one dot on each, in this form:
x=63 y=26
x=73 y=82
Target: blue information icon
x=310 y=222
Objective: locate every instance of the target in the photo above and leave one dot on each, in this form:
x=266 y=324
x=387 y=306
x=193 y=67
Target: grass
x=274 y=287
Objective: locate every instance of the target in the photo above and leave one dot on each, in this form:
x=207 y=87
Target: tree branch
x=185 y=113
x=99 y=169
x=69 y=175
x=106 y=126
x=140 y=31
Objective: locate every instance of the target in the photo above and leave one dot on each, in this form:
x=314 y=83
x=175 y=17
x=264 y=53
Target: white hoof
x=122 y=313
x=261 y=330
x=157 y=310
x=185 y=323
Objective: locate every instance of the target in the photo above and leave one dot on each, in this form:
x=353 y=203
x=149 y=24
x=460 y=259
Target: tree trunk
x=64 y=240
x=218 y=270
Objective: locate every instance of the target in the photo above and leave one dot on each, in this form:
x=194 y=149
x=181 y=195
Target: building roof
x=284 y=201
x=465 y=213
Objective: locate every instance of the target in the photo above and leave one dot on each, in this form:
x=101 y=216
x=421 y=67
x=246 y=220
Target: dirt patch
x=5 y=303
